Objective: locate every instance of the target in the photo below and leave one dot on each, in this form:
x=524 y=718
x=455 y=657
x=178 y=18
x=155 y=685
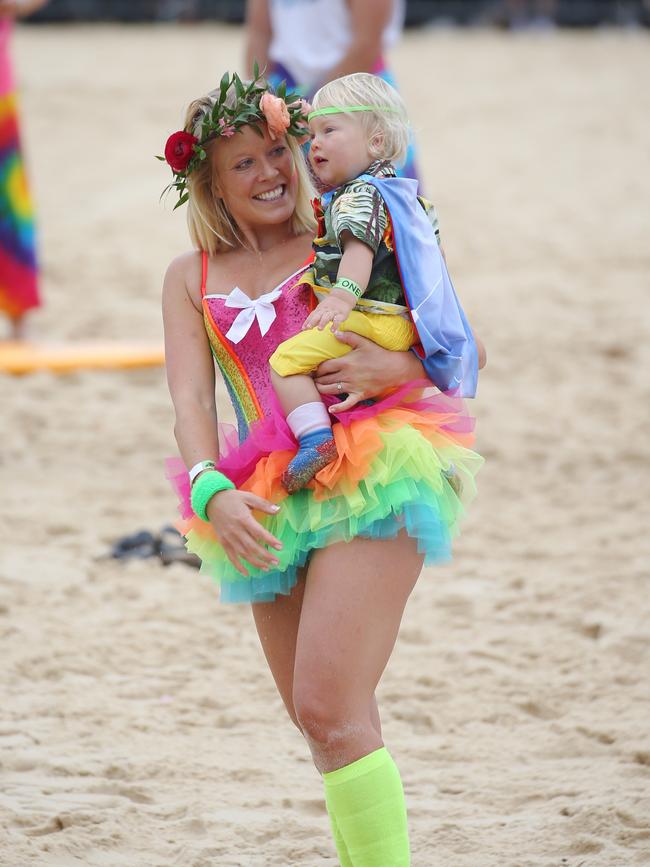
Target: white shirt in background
x=311 y=36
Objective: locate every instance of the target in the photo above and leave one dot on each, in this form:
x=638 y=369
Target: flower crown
x=284 y=114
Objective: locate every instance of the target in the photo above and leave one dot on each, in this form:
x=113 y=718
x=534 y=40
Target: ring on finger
x=339 y=386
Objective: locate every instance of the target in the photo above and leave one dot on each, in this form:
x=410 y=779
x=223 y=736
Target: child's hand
x=334 y=309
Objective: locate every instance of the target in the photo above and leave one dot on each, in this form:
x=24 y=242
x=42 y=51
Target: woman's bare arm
x=368 y=20
x=482 y=354
x=191 y=379
x=20 y=8
x=190 y=369
x=258 y=34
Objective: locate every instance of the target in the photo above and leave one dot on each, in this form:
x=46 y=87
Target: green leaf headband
x=284 y=114
x=339 y=109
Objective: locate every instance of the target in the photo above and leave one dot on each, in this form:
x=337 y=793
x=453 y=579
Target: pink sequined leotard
x=244 y=333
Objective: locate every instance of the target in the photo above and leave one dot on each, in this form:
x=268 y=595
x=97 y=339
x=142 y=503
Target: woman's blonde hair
x=212 y=228
x=386 y=126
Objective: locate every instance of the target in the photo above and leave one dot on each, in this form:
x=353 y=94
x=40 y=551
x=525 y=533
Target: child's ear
x=377 y=142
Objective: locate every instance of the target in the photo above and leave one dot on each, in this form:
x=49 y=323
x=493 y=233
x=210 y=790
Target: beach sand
x=139 y=724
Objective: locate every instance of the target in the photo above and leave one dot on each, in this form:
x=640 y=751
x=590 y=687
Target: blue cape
x=449 y=353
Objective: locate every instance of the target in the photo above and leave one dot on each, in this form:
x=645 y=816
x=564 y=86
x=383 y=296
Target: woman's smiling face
x=255 y=176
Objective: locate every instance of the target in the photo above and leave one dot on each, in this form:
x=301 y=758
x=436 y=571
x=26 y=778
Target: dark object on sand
x=168 y=545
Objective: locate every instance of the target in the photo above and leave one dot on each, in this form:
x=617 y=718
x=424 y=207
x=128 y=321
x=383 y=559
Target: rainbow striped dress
x=18 y=267
x=404 y=462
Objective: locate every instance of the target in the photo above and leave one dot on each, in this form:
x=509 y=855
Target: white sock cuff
x=307 y=418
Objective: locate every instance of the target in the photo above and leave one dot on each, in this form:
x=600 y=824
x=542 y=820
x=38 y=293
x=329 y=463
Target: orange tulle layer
x=358 y=444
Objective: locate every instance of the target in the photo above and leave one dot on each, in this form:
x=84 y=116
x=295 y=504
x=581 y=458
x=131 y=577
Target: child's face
x=339 y=148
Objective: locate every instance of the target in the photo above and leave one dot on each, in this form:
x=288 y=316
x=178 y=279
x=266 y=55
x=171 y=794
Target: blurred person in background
x=310 y=42
x=518 y=14
x=18 y=266
x=536 y=12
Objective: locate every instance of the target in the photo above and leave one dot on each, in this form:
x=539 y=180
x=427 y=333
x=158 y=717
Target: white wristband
x=198 y=468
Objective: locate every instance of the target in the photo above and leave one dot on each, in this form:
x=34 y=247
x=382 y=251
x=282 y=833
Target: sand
x=139 y=725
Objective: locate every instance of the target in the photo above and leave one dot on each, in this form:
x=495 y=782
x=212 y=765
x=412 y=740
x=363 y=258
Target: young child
x=377 y=269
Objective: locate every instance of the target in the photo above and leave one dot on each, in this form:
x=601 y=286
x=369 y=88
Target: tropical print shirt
x=358 y=208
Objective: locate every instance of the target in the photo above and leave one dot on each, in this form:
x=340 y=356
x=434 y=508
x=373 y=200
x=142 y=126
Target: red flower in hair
x=179 y=150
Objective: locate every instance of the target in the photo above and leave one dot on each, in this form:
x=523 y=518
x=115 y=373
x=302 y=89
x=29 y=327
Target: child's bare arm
x=354 y=270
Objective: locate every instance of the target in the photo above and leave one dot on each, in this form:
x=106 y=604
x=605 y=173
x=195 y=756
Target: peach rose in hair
x=276 y=114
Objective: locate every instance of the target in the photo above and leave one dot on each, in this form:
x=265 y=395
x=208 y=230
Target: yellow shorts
x=303 y=352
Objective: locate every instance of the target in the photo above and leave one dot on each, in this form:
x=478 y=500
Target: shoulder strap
x=204 y=271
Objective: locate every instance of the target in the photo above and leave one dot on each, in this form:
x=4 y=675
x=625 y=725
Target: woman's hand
x=241 y=535
x=365 y=372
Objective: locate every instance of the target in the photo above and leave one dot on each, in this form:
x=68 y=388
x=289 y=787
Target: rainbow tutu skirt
x=403 y=463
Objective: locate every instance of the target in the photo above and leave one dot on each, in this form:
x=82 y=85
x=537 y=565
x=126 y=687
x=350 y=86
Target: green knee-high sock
x=366 y=802
x=339 y=842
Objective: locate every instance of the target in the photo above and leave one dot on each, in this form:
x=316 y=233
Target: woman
x=334 y=607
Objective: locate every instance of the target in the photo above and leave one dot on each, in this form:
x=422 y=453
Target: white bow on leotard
x=260 y=308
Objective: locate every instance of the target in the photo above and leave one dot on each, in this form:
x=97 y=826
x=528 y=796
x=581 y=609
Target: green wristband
x=349 y=286
x=204 y=488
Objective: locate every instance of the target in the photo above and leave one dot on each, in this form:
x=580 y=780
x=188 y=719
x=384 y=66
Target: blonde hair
x=388 y=132
x=211 y=226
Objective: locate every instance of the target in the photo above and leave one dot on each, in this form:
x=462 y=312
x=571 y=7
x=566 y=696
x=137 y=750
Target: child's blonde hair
x=211 y=226
x=387 y=127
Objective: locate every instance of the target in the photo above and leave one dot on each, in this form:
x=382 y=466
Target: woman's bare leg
x=291 y=632
x=352 y=606
x=277 y=626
